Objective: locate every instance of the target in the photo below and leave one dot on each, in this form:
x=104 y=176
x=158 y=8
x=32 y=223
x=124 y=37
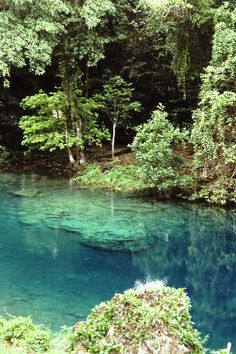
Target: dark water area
x=64 y=249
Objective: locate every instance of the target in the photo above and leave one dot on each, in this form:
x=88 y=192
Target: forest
x=154 y=78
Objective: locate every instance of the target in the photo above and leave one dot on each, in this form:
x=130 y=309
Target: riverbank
x=120 y=174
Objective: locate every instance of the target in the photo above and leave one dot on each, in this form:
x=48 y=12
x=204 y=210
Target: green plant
x=128 y=320
x=20 y=331
x=31 y=32
x=55 y=125
x=119 y=178
x=117 y=102
x=157 y=147
x=214 y=129
x=4 y=154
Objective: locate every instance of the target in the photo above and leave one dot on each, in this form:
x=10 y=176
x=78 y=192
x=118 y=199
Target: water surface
x=64 y=249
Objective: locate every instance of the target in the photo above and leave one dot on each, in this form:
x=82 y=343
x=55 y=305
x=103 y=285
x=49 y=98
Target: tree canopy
x=86 y=55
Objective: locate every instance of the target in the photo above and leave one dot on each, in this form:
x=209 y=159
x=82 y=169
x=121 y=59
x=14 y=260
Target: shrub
x=156 y=145
x=4 y=154
x=119 y=178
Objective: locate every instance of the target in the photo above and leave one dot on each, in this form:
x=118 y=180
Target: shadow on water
x=64 y=250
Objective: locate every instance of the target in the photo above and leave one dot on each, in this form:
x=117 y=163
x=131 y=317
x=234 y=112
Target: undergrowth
x=119 y=178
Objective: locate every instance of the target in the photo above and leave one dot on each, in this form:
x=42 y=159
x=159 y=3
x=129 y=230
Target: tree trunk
x=81 y=158
x=113 y=140
x=71 y=157
x=80 y=153
x=87 y=81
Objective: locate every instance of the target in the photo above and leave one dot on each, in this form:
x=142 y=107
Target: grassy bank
x=118 y=178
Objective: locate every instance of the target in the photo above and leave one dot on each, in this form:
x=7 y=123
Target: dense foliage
x=159 y=318
x=118 y=178
x=152 y=315
x=99 y=63
x=118 y=105
x=157 y=146
x=54 y=127
x=214 y=128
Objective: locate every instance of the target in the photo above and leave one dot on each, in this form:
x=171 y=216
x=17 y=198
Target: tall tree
x=118 y=104
x=52 y=125
x=183 y=28
x=30 y=30
x=214 y=129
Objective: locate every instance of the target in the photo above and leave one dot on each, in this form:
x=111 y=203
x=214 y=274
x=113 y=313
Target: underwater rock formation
x=26 y=193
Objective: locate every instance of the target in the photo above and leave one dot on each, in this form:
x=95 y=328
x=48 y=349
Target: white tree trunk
x=113 y=140
x=80 y=154
x=71 y=157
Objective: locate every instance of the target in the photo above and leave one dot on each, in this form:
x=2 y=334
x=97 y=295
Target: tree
x=30 y=30
x=214 y=129
x=156 y=146
x=118 y=105
x=183 y=30
x=53 y=127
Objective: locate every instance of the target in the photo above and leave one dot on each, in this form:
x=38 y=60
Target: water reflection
x=200 y=256
x=49 y=272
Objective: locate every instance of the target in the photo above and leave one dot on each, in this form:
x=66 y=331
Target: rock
x=26 y=193
x=149 y=321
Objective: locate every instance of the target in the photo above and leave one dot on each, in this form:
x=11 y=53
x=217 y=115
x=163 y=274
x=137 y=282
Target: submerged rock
x=26 y=193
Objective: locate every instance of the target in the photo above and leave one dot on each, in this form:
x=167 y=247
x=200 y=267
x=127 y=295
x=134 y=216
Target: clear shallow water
x=67 y=249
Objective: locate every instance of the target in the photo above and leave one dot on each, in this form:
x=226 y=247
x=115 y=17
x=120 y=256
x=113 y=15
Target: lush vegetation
x=157 y=145
x=150 y=317
x=74 y=75
x=117 y=178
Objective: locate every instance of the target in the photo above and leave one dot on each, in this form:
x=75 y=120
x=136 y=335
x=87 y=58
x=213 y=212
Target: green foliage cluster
x=180 y=23
x=30 y=30
x=157 y=147
x=20 y=333
x=129 y=319
x=117 y=100
x=160 y=317
x=4 y=154
x=53 y=126
x=214 y=128
x=118 y=178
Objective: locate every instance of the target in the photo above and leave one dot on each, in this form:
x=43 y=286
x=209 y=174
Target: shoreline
x=66 y=171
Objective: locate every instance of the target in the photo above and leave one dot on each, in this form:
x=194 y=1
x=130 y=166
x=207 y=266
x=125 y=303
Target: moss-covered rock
x=140 y=321
x=26 y=193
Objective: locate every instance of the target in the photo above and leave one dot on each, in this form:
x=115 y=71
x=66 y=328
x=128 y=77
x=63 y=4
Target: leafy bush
x=137 y=317
x=156 y=145
x=120 y=178
x=214 y=130
x=4 y=154
x=20 y=331
x=52 y=127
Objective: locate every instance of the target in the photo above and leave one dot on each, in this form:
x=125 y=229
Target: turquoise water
x=64 y=249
